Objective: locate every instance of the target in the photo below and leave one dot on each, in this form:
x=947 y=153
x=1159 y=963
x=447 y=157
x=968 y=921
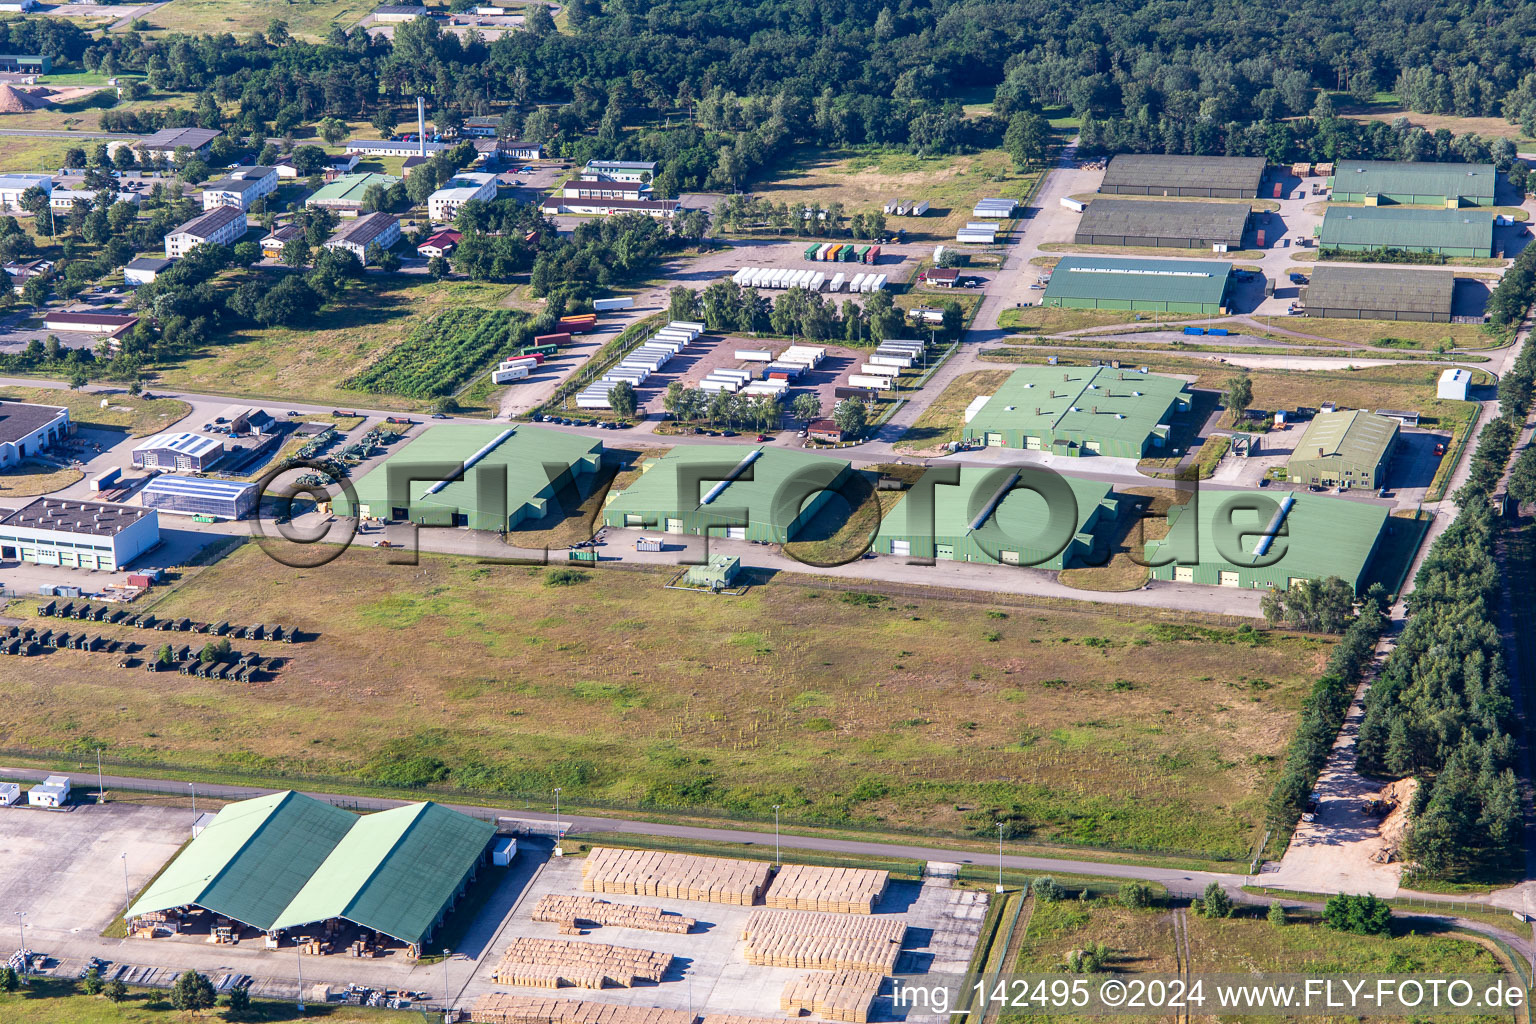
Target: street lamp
x=298 y=947
x=100 y=793
x=125 y=889
x=26 y=961
x=776 y=833
x=447 y=992
x=193 y=787
x=558 y=830
x=999 y=856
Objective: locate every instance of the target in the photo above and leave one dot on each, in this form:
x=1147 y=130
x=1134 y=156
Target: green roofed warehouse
x=1314 y=538
x=731 y=491
x=1002 y=515
x=287 y=860
x=1448 y=232
x=1076 y=410
x=506 y=475
x=1157 y=174
x=1153 y=222
x=1378 y=293
x=1161 y=286
x=1382 y=182
x=1345 y=449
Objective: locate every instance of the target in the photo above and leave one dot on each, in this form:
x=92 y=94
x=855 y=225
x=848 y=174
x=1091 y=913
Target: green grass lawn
x=307 y=19
x=935 y=714
x=49 y=1001
x=943 y=420
x=139 y=417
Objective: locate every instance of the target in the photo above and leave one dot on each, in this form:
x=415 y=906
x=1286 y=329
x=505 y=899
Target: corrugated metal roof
x=1179 y=280
x=1094 y=401
x=1156 y=170
x=198 y=486
x=1396 y=227
x=253 y=859
x=1473 y=181
x=349 y=188
x=660 y=487
x=1409 y=291
x=1024 y=515
x=394 y=872
x=205 y=224
x=1217 y=222
x=1356 y=435
x=181 y=443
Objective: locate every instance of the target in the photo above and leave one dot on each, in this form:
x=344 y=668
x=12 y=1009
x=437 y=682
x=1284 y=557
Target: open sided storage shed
x=506 y=474
x=1151 y=222
x=1156 y=174
x=1322 y=537
x=1376 y=182
x=1378 y=293
x=1077 y=410
x=732 y=491
x=1161 y=286
x=1448 y=232
x=1001 y=516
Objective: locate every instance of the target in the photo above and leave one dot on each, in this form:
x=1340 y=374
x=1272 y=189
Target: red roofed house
x=440 y=244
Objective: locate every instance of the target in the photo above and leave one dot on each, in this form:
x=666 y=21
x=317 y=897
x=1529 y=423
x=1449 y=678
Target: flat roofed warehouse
x=1073 y=410
x=1448 y=232
x=1005 y=515
x=502 y=477
x=741 y=493
x=1378 y=293
x=1213 y=177
x=1163 y=286
x=1322 y=537
x=1151 y=222
x=1422 y=184
x=1350 y=448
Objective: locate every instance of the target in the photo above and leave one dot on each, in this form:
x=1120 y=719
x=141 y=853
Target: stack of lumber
x=679 y=876
x=824 y=942
x=500 y=1008
x=831 y=890
x=558 y=908
x=844 y=996
x=736 y=1018
x=550 y=963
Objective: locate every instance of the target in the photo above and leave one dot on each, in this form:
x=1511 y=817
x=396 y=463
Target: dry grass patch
x=307 y=19
x=1058 y=319
x=29 y=479
x=944 y=419
x=139 y=417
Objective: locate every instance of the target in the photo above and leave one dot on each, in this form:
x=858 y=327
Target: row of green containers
x=832 y=252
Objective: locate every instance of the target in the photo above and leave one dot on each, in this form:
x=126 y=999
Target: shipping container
x=1279 y=189
x=545 y=349
x=870 y=255
x=838 y=280
x=845 y=254
x=865 y=380
x=1261 y=238
x=1075 y=205
x=811 y=251
x=108 y=480
x=857 y=284
x=649 y=544
x=552 y=339
x=921 y=208
x=859 y=253
x=618 y=302
x=754 y=355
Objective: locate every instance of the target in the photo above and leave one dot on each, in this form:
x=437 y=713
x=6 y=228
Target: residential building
x=443 y=204
x=78 y=534
x=1378 y=293
x=334 y=165
x=240 y=188
x=1170 y=224
x=27 y=429
x=1393 y=182
x=12 y=186
x=272 y=244
x=480 y=127
x=345 y=194
x=21 y=273
x=394 y=147
x=1163 y=286
x=222 y=225
x=440 y=244
x=1345 y=449
x=622 y=170
x=1079 y=410
x=62 y=199
x=143 y=270
x=164 y=143
x=382 y=229
x=178 y=450
x=1211 y=177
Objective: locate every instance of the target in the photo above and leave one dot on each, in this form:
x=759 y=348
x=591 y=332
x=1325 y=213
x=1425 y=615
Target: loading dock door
x=994 y=439
x=1184 y=573
x=735 y=533
x=1092 y=446
x=1010 y=557
x=1228 y=579
x=1032 y=444
x=630 y=519
x=674 y=526
x=901 y=547
x=944 y=551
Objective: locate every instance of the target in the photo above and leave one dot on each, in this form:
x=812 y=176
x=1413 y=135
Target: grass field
x=1122 y=572
x=50 y=1001
x=29 y=479
x=865 y=182
x=307 y=362
x=307 y=19
x=140 y=417
x=1081 y=726
x=23 y=154
x=1056 y=319
x=1379 y=333
x=943 y=420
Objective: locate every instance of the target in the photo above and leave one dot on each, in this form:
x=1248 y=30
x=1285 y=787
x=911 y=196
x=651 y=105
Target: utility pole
x=193 y=787
x=126 y=896
x=776 y=859
x=100 y=793
x=999 y=856
x=299 y=949
x=26 y=961
x=447 y=996
x=559 y=832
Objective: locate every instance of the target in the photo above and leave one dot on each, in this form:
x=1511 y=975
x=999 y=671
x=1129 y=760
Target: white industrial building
x=78 y=534
x=393 y=147
x=27 y=429
x=178 y=450
x=143 y=270
x=621 y=170
x=443 y=204
x=222 y=225
x=240 y=188
x=13 y=185
x=165 y=142
x=371 y=228
x=1453 y=384
x=10 y=793
x=63 y=199
x=51 y=792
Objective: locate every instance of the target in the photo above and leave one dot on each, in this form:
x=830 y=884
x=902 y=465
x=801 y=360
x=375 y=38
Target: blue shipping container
x=1194 y=330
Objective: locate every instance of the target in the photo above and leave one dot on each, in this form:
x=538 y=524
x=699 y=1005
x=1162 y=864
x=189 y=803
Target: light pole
x=193 y=787
x=558 y=830
x=447 y=992
x=26 y=961
x=298 y=947
x=125 y=889
x=99 y=791
x=776 y=833
x=999 y=856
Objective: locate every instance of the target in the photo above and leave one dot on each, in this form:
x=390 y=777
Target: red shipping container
x=777 y=375
x=139 y=579
x=1261 y=238
x=1278 y=188
x=553 y=339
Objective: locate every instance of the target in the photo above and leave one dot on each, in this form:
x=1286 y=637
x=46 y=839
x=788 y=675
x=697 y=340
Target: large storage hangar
x=1378 y=293
x=736 y=492
x=287 y=860
x=1002 y=515
x=1448 y=232
x=1163 y=224
x=1213 y=177
x=1344 y=449
x=200 y=496
x=1376 y=182
x=1077 y=410
x=506 y=474
x=78 y=534
x=1314 y=538
x=1161 y=286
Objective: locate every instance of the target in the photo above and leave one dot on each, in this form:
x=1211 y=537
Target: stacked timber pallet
x=558 y=908
x=500 y=1008
x=845 y=996
x=823 y=942
x=551 y=963
x=736 y=1018
x=832 y=890
x=679 y=876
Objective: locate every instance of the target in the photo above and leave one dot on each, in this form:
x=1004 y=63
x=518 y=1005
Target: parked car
x=439 y=416
x=1440 y=449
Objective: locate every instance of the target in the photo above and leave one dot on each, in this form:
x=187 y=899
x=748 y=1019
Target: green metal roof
x=1097 y=277
x=1090 y=401
x=251 y=860
x=349 y=188
x=1378 y=288
x=1395 y=227
x=1023 y=516
x=394 y=872
x=1158 y=170
x=1474 y=181
x=1322 y=536
x=1171 y=218
x=1355 y=435
x=522 y=450
x=659 y=490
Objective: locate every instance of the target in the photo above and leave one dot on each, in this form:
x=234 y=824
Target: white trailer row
x=508 y=374
x=775 y=388
x=995 y=209
x=776 y=278
x=867 y=283
x=636 y=367
x=888 y=361
x=972 y=237
x=907 y=207
x=805 y=355
x=754 y=355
